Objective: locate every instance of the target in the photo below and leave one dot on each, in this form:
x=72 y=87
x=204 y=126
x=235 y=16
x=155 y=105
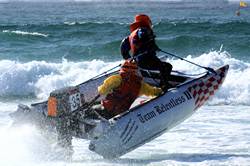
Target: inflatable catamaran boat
x=65 y=112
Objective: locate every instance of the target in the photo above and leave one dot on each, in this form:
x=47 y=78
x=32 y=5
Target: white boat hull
x=145 y=122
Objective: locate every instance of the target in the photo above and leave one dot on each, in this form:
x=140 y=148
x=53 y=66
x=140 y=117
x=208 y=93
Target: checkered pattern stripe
x=206 y=87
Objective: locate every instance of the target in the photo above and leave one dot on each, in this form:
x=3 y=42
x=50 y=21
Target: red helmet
x=141 y=20
x=129 y=66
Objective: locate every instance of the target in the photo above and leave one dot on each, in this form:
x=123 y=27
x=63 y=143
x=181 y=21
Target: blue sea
x=48 y=45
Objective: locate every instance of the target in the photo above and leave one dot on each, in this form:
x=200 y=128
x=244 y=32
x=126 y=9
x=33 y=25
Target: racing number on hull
x=75 y=101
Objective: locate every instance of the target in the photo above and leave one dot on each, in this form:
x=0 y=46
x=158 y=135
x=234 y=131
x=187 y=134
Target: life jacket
x=123 y=97
x=141 y=41
x=134 y=42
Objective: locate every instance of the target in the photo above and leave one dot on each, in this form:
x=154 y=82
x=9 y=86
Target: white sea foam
x=236 y=88
x=25 y=33
x=73 y=23
x=40 y=78
x=204 y=139
x=24 y=144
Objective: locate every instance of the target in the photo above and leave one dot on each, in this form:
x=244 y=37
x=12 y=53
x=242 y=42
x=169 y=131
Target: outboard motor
x=65 y=101
x=63 y=105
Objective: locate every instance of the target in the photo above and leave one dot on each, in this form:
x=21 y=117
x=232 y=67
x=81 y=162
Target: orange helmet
x=141 y=20
x=129 y=66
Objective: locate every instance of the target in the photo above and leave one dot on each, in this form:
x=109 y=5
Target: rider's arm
x=147 y=42
x=149 y=90
x=125 y=48
x=109 y=84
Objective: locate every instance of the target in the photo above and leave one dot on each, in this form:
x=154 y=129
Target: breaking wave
x=39 y=78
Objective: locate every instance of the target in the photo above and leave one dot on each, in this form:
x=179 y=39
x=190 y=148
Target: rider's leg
x=165 y=70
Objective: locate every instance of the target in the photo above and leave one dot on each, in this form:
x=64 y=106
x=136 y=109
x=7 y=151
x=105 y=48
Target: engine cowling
x=65 y=101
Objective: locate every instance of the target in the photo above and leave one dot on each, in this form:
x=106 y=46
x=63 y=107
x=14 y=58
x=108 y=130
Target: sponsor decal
x=169 y=105
x=201 y=91
x=146 y=117
x=129 y=131
x=163 y=107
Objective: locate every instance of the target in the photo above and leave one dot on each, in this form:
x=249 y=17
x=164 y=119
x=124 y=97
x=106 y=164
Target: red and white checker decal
x=206 y=87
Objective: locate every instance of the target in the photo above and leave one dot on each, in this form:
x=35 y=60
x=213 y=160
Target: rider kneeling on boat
x=121 y=90
x=141 y=44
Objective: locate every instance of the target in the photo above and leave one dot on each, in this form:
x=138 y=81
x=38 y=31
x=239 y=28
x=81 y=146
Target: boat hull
x=151 y=119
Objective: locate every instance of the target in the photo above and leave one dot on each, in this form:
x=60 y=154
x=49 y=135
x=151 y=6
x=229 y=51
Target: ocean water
x=49 y=45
